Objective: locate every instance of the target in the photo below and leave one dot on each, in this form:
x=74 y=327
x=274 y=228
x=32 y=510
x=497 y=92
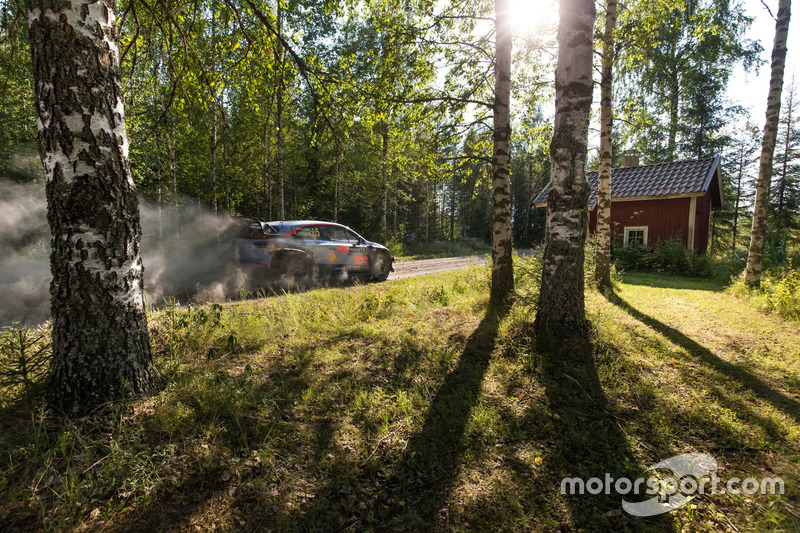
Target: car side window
x=336 y=234
x=309 y=232
x=351 y=237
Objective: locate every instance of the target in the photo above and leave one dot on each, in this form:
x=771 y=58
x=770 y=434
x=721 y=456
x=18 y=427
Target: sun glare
x=530 y=17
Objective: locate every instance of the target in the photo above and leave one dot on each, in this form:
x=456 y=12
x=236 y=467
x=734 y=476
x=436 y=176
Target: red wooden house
x=658 y=202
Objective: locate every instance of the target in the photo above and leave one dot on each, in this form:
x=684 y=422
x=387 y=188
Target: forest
x=378 y=114
x=538 y=388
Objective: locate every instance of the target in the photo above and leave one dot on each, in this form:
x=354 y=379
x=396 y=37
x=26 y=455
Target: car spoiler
x=267 y=228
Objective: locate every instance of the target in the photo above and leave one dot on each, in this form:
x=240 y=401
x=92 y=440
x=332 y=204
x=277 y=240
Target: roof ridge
x=662 y=164
x=656 y=180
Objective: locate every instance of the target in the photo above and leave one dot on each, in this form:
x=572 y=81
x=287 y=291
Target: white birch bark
x=561 y=311
x=502 y=260
x=756 y=257
x=101 y=346
x=603 y=250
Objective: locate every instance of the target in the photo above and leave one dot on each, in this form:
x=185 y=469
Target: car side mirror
x=361 y=241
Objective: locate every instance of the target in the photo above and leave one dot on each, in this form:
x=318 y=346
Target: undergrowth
x=405 y=406
x=778 y=292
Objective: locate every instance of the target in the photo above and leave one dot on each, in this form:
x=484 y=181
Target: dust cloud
x=24 y=254
x=187 y=254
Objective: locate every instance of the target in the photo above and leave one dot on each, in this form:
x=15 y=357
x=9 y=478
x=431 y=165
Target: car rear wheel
x=295 y=271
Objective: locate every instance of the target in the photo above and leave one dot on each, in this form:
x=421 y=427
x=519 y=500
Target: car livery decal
x=332 y=257
x=298 y=228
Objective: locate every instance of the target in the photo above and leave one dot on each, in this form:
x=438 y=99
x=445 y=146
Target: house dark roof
x=665 y=180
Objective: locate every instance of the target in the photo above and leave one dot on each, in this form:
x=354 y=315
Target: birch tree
x=101 y=347
x=502 y=260
x=562 y=311
x=603 y=251
x=756 y=256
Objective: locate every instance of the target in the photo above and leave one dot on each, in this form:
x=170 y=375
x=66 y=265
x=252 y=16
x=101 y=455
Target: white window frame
x=634 y=228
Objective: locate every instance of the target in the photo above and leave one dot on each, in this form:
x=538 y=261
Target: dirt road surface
x=423 y=267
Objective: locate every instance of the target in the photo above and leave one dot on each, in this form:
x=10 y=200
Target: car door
x=336 y=247
x=311 y=239
x=356 y=250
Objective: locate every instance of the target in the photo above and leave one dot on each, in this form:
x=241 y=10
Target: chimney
x=630 y=158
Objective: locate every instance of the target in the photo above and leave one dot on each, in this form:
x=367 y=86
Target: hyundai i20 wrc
x=301 y=250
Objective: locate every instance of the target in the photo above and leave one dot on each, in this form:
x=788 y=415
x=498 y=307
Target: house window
x=636 y=234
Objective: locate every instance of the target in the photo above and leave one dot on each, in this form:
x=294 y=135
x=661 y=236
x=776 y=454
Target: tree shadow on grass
x=417 y=492
x=675 y=281
x=409 y=495
x=787 y=404
x=589 y=443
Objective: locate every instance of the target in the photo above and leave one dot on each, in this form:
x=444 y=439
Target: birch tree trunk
x=101 y=346
x=280 y=149
x=674 y=96
x=561 y=312
x=756 y=256
x=280 y=59
x=173 y=177
x=336 y=184
x=265 y=177
x=502 y=260
x=213 y=144
x=602 y=272
x=384 y=180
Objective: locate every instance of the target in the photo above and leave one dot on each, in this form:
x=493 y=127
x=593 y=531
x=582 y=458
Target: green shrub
x=783 y=293
x=703 y=266
x=732 y=264
x=669 y=256
x=775 y=254
x=778 y=293
x=528 y=279
x=395 y=248
x=630 y=257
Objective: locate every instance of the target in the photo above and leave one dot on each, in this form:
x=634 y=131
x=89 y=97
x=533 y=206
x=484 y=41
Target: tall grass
x=779 y=292
x=403 y=405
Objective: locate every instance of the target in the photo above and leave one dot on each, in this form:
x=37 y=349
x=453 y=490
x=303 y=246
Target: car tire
x=381 y=266
x=295 y=271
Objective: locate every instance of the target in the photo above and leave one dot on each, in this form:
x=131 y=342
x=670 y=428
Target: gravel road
x=423 y=267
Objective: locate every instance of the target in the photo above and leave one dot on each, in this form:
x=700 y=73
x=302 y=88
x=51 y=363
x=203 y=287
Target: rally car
x=299 y=250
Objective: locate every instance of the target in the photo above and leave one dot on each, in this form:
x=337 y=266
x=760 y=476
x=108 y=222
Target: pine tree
x=785 y=188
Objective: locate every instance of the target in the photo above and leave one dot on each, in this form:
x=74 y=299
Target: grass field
x=404 y=406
